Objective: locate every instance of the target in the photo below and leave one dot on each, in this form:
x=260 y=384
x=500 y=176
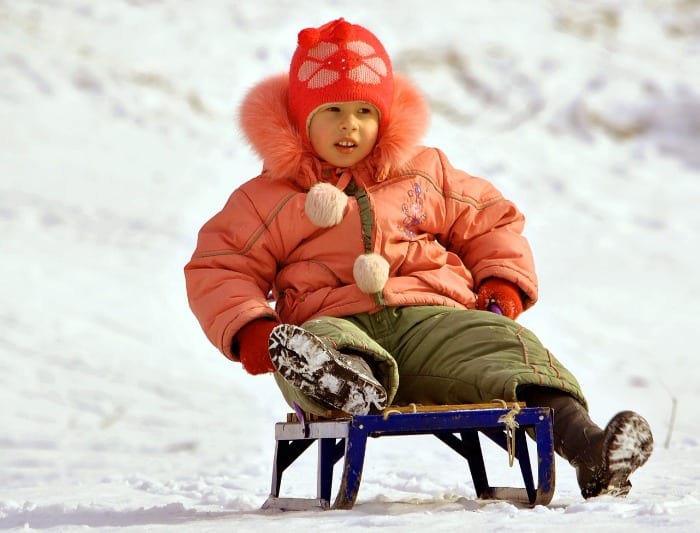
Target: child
x=389 y=268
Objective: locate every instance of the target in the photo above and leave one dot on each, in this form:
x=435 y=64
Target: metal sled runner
x=457 y=426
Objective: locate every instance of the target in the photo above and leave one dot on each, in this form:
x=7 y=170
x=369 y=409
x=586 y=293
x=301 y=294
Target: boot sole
x=320 y=372
x=628 y=445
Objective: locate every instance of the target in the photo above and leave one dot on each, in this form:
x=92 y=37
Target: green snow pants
x=441 y=355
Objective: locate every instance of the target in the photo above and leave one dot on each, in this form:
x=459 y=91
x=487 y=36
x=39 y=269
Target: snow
x=118 y=140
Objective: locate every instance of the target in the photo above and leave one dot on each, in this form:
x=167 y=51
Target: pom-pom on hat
x=338 y=62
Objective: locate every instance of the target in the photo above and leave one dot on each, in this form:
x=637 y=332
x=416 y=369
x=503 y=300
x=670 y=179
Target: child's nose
x=348 y=122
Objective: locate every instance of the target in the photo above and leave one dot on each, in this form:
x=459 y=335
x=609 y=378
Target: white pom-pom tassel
x=371 y=272
x=325 y=205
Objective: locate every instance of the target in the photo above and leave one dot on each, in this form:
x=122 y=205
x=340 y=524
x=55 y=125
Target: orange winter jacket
x=441 y=230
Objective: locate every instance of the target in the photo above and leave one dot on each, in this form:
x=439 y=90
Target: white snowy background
x=118 y=140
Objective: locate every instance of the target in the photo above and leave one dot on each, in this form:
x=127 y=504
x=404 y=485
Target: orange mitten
x=504 y=294
x=252 y=346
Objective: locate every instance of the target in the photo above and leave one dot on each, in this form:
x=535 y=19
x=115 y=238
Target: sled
x=342 y=436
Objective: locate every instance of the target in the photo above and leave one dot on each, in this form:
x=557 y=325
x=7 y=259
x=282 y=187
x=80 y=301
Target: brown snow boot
x=604 y=459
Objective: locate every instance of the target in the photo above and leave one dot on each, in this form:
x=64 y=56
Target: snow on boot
x=604 y=459
x=342 y=381
x=627 y=444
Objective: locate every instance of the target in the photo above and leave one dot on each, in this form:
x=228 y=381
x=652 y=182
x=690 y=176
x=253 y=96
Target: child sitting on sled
x=396 y=277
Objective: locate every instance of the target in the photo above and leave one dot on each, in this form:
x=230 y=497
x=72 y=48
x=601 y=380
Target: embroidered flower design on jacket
x=326 y=63
x=414 y=215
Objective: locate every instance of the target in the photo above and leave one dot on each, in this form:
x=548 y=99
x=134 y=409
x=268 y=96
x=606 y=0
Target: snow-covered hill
x=118 y=140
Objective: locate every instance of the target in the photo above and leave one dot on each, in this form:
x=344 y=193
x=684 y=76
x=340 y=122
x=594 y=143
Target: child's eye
x=333 y=108
x=365 y=110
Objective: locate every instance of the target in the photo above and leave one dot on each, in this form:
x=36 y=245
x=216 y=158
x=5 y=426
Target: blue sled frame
x=459 y=429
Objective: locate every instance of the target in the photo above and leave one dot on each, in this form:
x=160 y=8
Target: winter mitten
x=504 y=294
x=253 y=346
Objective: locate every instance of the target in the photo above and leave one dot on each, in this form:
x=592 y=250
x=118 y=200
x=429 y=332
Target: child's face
x=344 y=133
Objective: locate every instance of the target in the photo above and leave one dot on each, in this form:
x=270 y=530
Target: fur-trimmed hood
x=265 y=122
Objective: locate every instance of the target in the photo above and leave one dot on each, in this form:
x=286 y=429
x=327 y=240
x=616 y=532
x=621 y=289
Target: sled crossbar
x=458 y=426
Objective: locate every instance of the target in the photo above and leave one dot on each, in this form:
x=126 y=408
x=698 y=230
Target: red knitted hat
x=338 y=62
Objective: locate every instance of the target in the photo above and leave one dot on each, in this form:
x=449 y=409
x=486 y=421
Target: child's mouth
x=345 y=146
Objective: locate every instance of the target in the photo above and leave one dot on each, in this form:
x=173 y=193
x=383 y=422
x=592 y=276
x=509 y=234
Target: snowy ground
x=118 y=140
